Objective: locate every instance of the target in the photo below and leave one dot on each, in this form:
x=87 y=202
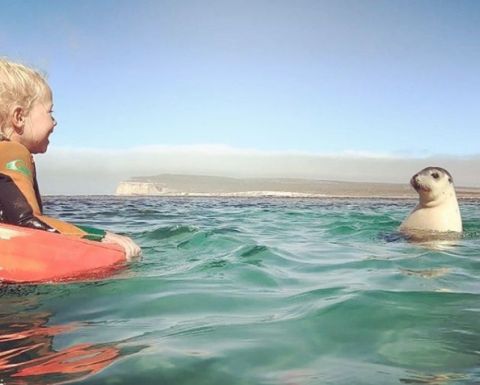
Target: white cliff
x=138 y=188
x=194 y=185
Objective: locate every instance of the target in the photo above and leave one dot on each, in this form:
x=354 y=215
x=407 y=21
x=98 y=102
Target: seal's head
x=432 y=183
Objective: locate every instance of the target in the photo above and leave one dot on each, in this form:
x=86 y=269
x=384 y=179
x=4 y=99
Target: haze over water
x=253 y=291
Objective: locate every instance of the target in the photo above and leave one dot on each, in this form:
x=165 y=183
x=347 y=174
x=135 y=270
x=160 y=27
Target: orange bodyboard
x=28 y=255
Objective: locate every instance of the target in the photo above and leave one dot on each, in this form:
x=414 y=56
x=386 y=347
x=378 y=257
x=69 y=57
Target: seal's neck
x=429 y=201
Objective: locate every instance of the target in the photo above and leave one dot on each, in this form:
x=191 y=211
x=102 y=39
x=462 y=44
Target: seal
x=437 y=210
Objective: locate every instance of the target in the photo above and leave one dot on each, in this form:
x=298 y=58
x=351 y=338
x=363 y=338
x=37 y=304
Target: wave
x=161 y=233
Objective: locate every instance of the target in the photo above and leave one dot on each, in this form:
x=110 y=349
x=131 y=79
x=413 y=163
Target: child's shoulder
x=8 y=145
x=13 y=151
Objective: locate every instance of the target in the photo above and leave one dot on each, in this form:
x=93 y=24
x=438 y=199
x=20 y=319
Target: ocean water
x=253 y=291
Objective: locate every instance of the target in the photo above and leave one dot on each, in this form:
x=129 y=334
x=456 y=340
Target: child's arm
x=15 y=208
x=19 y=197
x=20 y=202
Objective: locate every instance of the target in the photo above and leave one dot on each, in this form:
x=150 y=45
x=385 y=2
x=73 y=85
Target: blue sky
x=396 y=78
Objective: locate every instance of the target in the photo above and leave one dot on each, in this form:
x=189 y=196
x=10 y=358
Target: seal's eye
x=435 y=175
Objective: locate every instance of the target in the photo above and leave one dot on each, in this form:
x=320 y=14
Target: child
x=26 y=122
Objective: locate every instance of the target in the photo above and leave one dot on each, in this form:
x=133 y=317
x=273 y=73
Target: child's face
x=39 y=124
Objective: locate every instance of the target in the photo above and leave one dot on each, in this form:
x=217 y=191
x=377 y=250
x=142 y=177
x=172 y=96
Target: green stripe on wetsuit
x=92 y=233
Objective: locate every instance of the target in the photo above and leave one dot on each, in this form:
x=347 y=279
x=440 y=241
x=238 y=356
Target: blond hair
x=19 y=86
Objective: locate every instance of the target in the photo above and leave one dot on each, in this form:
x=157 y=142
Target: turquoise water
x=253 y=291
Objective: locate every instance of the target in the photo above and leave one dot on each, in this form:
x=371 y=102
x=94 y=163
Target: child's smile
x=39 y=124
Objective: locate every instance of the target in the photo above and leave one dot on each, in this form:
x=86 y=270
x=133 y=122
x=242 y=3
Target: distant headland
x=204 y=186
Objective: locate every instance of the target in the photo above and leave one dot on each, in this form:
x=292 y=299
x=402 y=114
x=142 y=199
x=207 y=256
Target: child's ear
x=18 y=119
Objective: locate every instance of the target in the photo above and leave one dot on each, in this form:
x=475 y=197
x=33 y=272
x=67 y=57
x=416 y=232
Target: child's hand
x=132 y=250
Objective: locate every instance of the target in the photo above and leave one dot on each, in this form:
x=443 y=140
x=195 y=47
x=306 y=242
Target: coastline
x=223 y=187
x=287 y=195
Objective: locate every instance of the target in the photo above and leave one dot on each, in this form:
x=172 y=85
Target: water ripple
x=256 y=291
